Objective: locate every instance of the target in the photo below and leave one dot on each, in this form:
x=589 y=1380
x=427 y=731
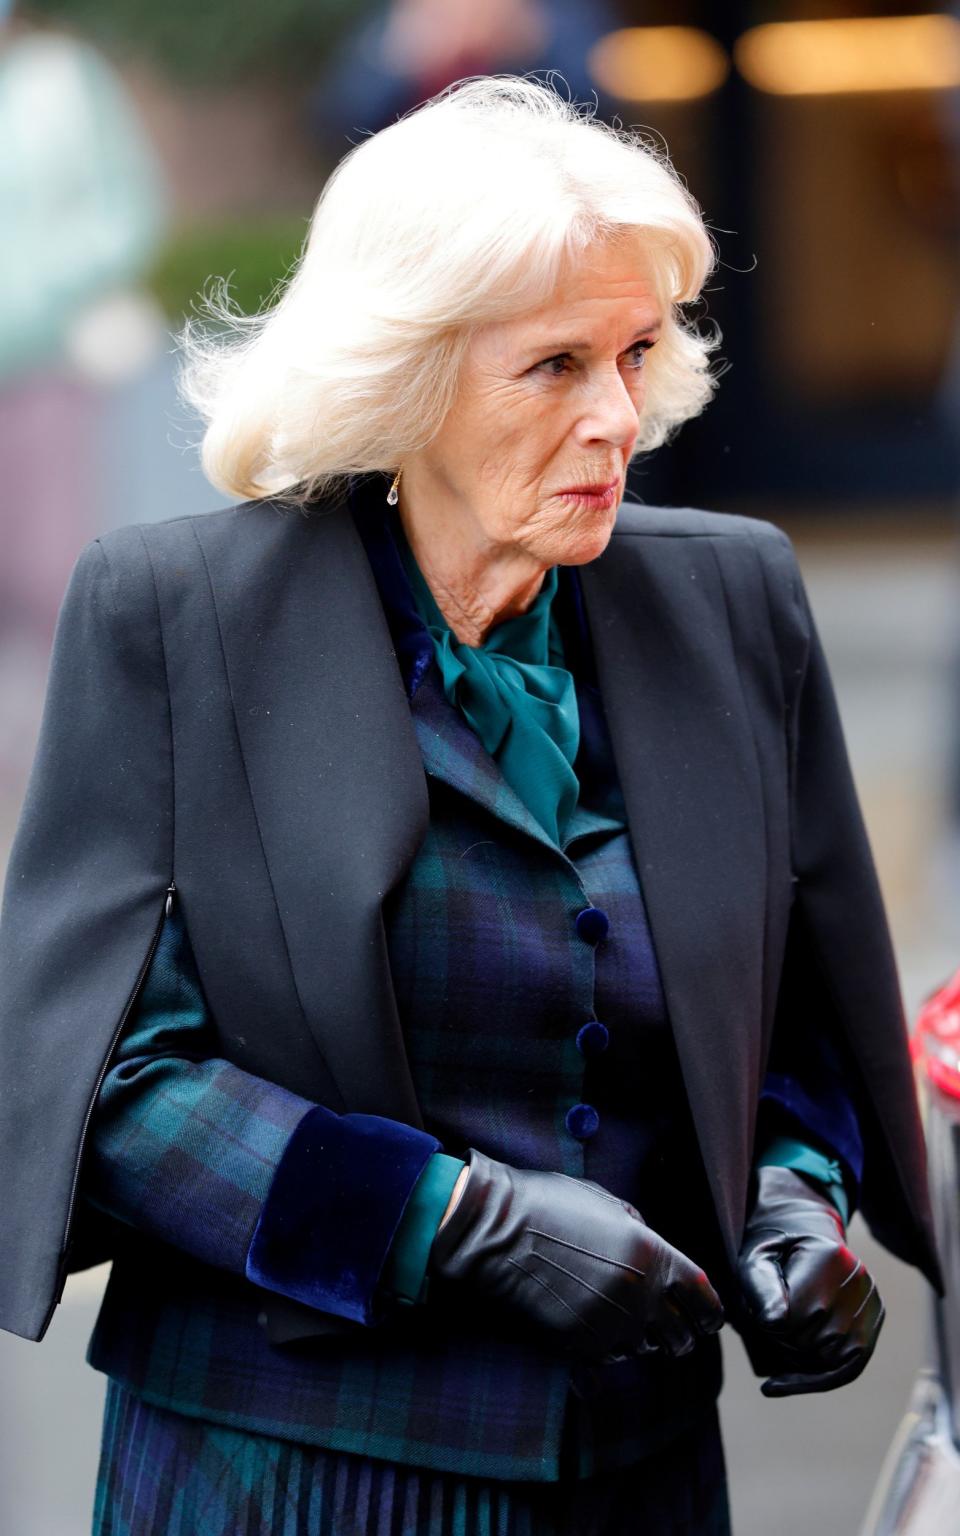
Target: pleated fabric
x=164 y=1474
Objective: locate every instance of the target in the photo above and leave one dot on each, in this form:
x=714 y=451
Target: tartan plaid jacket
x=536 y=1028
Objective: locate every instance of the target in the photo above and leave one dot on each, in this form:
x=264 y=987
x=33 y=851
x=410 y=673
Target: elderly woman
x=443 y=965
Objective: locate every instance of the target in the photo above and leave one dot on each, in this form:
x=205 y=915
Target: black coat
x=225 y=709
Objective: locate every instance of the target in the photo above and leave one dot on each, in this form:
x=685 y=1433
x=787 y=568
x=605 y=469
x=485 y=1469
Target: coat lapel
x=683 y=745
x=336 y=779
x=452 y=752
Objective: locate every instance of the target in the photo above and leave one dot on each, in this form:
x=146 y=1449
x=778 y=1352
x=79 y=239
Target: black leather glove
x=812 y=1297
x=575 y=1259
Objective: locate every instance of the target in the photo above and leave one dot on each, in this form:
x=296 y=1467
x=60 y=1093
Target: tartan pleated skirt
x=164 y=1474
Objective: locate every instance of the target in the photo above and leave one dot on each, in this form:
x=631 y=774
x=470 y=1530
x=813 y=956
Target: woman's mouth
x=600 y=496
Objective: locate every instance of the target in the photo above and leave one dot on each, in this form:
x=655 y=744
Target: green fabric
x=405 y=1271
x=785 y=1152
x=516 y=693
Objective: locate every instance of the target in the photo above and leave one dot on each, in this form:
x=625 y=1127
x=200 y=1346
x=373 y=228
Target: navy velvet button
x=582 y=1121
x=593 y=1037
x=592 y=924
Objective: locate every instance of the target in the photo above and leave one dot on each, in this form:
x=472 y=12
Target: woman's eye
x=556 y=366
x=561 y=358
x=638 y=352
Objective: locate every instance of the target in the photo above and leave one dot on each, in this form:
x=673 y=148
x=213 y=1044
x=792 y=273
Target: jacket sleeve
x=238 y=1171
x=839 y=1058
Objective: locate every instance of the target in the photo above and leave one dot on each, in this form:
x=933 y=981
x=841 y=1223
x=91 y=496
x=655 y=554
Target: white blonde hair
x=463 y=211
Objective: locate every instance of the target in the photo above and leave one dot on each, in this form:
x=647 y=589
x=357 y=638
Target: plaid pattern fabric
x=164 y=1475
x=185 y=1144
x=482 y=928
x=432 y=1390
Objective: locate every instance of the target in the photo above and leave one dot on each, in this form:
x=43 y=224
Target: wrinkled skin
x=481 y=505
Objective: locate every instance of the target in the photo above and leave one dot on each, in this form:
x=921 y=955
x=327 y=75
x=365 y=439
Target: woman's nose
x=612 y=412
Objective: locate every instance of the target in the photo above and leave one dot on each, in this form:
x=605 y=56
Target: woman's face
x=549 y=402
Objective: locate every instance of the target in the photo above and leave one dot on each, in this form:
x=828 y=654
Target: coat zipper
x=65 y=1252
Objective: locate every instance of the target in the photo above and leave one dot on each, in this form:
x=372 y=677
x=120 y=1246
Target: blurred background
x=145 y=148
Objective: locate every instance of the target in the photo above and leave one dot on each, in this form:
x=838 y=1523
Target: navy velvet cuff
x=333 y=1207
x=786 y=1108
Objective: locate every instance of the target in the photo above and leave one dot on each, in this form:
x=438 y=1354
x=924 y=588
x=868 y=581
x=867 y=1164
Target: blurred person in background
x=442 y=963
x=82 y=210
x=408 y=50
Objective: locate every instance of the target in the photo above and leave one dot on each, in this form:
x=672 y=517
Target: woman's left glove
x=800 y=1281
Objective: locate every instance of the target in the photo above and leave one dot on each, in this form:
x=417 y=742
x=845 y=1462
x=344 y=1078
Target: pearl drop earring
x=393 y=495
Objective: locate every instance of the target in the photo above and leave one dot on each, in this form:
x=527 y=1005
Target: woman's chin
x=588 y=542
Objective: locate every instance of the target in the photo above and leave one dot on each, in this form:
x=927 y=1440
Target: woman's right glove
x=575 y=1259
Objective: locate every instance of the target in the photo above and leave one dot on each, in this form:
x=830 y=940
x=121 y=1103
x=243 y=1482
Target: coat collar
x=337 y=779
x=451 y=751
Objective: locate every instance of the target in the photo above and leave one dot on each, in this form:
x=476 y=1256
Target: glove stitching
x=852 y=1275
x=595 y=1190
x=584 y=1283
x=556 y=1295
x=869 y=1297
x=588 y=1252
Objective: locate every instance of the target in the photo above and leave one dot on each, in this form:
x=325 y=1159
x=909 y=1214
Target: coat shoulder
x=751 y=547
x=236 y=536
x=127 y=543
x=755 y=560
x=636 y=518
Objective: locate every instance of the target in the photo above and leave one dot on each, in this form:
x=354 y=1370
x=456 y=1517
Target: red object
x=935 y=1042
